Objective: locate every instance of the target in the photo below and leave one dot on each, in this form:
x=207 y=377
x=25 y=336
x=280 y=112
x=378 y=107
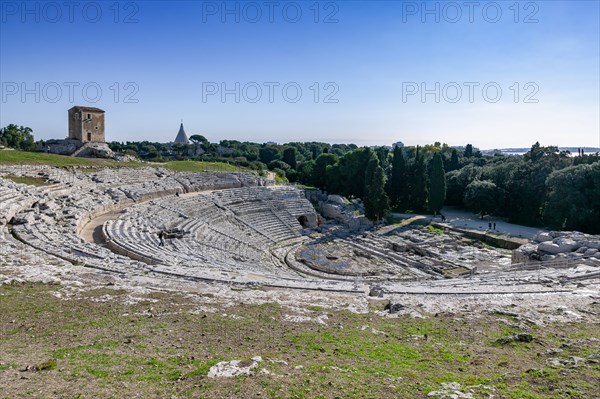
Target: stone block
x=543 y=237
x=590 y=252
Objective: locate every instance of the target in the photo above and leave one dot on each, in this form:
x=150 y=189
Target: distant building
x=86 y=124
x=181 y=138
x=86 y=135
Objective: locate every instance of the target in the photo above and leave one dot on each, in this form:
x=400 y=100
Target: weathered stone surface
x=394 y=307
x=376 y=291
x=234 y=368
x=333 y=211
x=338 y=199
x=543 y=237
x=595 y=244
x=95 y=150
x=523 y=337
x=61 y=147
x=571 y=362
x=558 y=246
x=245 y=232
x=348 y=213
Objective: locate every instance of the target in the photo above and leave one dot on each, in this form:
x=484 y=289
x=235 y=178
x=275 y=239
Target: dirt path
x=469 y=221
x=463 y=219
x=92 y=232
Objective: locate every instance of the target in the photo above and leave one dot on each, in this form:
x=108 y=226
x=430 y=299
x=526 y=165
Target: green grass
x=47 y=365
x=108 y=349
x=14 y=157
x=31 y=181
x=8 y=366
x=197 y=166
x=435 y=230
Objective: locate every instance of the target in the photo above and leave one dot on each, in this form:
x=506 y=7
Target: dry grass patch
x=158 y=348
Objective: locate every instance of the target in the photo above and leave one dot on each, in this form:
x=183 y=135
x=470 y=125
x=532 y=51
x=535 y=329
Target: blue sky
x=362 y=69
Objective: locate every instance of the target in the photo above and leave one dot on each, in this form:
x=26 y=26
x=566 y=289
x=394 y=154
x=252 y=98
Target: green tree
x=306 y=172
x=353 y=166
x=437 y=184
x=527 y=184
x=418 y=183
x=573 y=200
x=292 y=175
x=334 y=179
x=480 y=196
x=469 y=151
x=289 y=157
x=398 y=187
x=457 y=182
x=320 y=169
x=454 y=162
x=376 y=201
x=198 y=139
x=537 y=152
x=268 y=154
x=383 y=156
x=19 y=137
x=315 y=151
x=278 y=165
x=181 y=150
x=280 y=174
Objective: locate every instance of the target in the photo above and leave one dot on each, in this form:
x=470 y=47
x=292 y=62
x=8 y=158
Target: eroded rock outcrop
x=559 y=245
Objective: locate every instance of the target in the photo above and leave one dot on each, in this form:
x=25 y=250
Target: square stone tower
x=86 y=124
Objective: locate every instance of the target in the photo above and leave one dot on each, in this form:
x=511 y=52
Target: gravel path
x=463 y=219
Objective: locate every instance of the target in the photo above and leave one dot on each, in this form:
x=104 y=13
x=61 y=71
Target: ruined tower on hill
x=181 y=136
x=86 y=136
x=86 y=124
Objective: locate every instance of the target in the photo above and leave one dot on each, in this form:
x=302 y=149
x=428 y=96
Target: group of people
x=491 y=225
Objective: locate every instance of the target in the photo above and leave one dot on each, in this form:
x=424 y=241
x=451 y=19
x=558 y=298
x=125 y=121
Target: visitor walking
x=494 y=225
x=490 y=225
x=161 y=237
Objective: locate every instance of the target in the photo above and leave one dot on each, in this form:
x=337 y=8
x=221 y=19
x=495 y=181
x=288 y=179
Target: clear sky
x=495 y=74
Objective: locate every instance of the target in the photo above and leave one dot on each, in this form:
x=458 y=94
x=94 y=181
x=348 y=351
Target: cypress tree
x=469 y=151
x=353 y=167
x=437 y=184
x=289 y=157
x=398 y=182
x=454 y=162
x=320 y=169
x=418 y=189
x=315 y=151
x=376 y=201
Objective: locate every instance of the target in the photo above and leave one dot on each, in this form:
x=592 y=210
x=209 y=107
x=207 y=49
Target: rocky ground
x=139 y=337
x=368 y=254
x=561 y=245
x=407 y=331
